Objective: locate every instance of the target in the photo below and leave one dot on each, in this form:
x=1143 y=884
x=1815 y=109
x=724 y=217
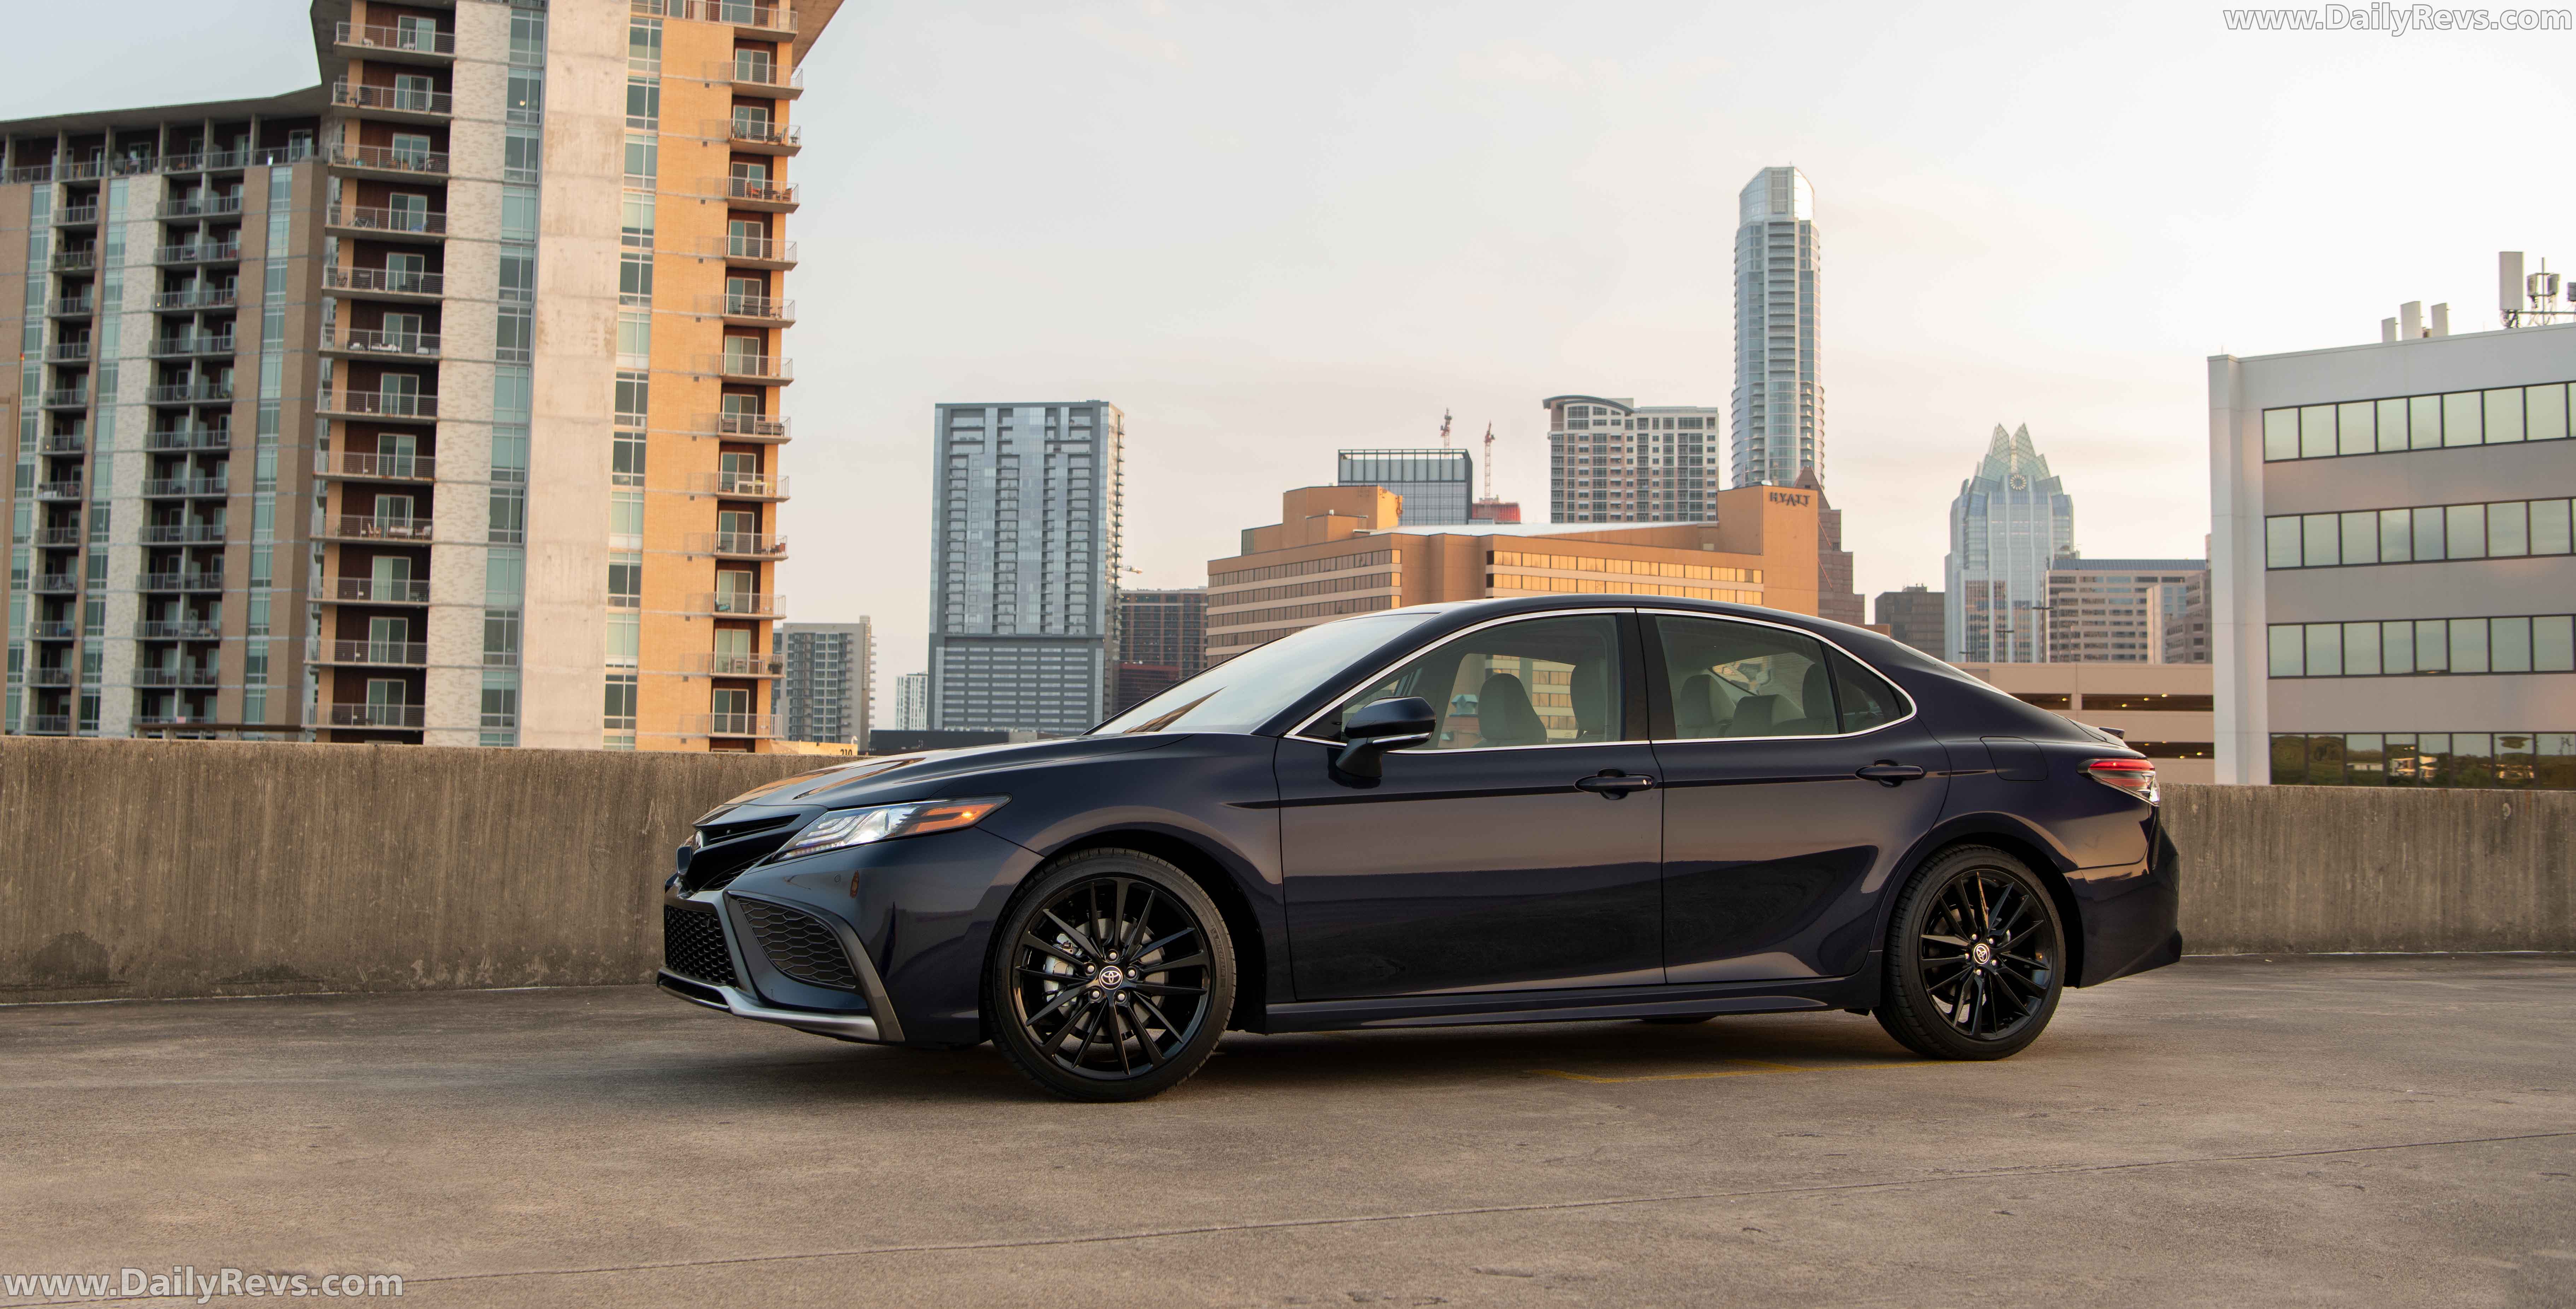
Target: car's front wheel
x=1976 y=958
x=1112 y=979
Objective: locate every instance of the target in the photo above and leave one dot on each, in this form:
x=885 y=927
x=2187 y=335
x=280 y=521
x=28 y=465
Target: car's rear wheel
x=1975 y=958
x=1112 y=979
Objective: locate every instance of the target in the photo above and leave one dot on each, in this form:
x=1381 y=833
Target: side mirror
x=1380 y=726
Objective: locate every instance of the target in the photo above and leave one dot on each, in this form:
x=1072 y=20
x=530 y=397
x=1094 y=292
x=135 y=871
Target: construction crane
x=1489 y=461
x=1444 y=429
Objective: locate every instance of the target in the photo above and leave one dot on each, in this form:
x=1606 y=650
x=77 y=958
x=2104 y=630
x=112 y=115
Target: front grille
x=727 y=850
x=693 y=945
x=799 y=945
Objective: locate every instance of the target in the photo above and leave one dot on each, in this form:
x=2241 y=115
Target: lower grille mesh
x=799 y=945
x=693 y=945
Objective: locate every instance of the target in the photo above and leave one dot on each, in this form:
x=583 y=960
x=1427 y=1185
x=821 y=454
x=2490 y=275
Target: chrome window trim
x=1913 y=707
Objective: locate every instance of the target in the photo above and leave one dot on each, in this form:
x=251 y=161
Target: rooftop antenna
x=1444 y=429
x=1489 y=461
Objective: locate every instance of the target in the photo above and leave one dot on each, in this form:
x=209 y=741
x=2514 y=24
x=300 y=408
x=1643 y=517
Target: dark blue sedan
x=1498 y=811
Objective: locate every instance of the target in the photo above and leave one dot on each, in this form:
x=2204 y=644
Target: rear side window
x=1867 y=700
x=1741 y=680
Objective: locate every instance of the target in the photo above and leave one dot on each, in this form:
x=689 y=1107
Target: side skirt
x=1592 y=1004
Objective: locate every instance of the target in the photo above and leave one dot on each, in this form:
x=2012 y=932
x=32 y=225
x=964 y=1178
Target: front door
x=1501 y=856
x=1776 y=848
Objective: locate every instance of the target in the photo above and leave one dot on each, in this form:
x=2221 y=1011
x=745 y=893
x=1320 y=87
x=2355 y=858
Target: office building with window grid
x=1610 y=461
x=308 y=381
x=1437 y=485
x=1024 y=566
x=1779 y=402
x=827 y=675
x=2391 y=563
x=912 y=702
x=2124 y=611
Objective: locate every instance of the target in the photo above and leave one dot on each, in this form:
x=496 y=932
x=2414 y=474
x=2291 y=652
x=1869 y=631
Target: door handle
x=1613 y=785
x=1886 y=773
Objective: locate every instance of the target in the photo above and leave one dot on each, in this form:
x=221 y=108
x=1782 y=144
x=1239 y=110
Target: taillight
x=2135 y=776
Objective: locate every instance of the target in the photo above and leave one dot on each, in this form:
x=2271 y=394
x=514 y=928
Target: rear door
x=1794 y=778
x=1520 y=849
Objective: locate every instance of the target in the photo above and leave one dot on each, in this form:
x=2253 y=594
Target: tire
x=1092 y=915
x=1976 y=958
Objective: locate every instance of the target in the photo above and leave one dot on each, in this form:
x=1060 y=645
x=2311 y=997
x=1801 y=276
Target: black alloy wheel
x=1975 y=958
x=1112 y=977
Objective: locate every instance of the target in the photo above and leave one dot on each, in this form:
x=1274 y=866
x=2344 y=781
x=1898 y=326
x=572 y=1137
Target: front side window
x=1542 y=681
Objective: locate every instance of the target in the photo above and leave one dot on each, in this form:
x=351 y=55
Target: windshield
x=1248 y=690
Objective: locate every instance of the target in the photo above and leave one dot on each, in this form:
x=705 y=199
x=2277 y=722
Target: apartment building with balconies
x=309 y=381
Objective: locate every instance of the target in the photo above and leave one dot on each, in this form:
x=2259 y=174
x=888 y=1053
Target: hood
x=921 y=776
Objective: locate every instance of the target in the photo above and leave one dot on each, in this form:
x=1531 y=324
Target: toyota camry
x=1496 y=811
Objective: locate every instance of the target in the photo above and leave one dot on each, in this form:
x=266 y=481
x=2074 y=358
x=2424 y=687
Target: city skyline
x=1275 y=284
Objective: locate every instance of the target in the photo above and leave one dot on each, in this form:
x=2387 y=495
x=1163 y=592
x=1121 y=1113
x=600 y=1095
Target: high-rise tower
x=1779 y=405
x=2009 y=523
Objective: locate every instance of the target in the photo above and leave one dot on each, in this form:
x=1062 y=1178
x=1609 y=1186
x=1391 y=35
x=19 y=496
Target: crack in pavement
x=1281 y=1224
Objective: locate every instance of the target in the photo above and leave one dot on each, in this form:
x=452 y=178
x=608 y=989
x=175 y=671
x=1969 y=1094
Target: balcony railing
x=201 y=205
x=400 y=654
x=398 y=39
x=748 y=604
x=26 y=173
x=362 y=341
x=49 y=724
x=748 y=249
x=70 y=490
x=63 y=443
x=199 y=581
x=381 y=404
x=759 y=307
x=57 y=536
x=756 y=133
x=57 y=631
x=754 y=191
x=162 y=488
x=376 y=218
x=82 y=170
x=177 y=677
x=386 y=281
x=720 y=664
x=201 y=343
x=741 y=545
x=75 y=261
x=387 y=159
x=76 y=215
x=182 y=629
x=741 y=13
x=52 y=676
x=57 y=583
x=201 y=297
x=764 y=74
x=69 y=397
x=202 y=252
x=73 y=306
x=750 y=427
x=762 y=725
x=209 y=161
x=189 y=393
x=189 y=438
x=755 y=486
x=183 y=534
x=766 y=368
x=397 y=99
x=363 y=528
x=375 y=715
x=382 y=467
x=67 y=352
x=381 y=591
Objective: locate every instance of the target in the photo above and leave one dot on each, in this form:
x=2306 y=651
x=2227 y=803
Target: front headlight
x=842 y=828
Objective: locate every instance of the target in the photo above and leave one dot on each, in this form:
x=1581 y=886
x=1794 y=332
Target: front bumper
x=729 y=952
x=741 y=1004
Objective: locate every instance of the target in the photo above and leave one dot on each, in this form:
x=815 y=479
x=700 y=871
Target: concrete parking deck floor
x=2226 y=1132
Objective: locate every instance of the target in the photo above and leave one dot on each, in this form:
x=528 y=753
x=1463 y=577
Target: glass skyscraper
x=1779 y=405
x=1024 y=566
x=1437 y=485
x=2009 y=523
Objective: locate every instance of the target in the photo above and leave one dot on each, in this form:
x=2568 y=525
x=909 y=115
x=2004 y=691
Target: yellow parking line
x=1759 y=1069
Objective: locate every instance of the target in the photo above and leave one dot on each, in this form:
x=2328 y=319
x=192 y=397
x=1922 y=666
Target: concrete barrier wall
x=2307 y=869
x=144 y=868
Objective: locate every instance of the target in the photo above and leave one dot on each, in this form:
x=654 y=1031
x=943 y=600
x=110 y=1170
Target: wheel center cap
x=1981 y=952
x=1113 y=975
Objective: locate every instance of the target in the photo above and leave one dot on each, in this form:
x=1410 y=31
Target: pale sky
x=1268 y=231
